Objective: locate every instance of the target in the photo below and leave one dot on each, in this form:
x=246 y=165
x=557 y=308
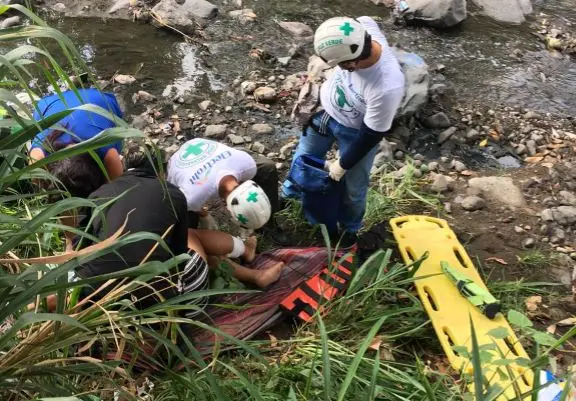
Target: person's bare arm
x=36 y=154
x=113 y=164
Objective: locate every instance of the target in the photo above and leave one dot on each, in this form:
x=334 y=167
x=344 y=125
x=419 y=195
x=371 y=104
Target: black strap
x=340 y=273
x=300 y=306
x=319 y=298
x=329 y=279
x=347 y=264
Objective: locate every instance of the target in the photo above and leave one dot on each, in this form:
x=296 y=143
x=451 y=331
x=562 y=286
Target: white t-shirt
x=372 y=94
x=199 y=165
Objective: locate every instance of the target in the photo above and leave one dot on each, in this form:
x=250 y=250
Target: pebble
x=528 y=243
x=228 y=109
x=243 y=16
x=458 y=166
x=262 y=129
x=417 y=163
x=531 y=115
x=521 y=149
x=518 y=230
x=286 y=151
x=205 y=105
x=235 y=139
x=472 y=203
x=446 y=134
x=123 y=79
x=440 y=183
x=279 y=166
x=438 y=120
x=265 y=94
x=215 y=131
x=258 y=147
x=472 y=134
x=399 y=155
x=433 y=166
x=531 y=146
x=247 y=138
x=248 y=87
x=448 y=207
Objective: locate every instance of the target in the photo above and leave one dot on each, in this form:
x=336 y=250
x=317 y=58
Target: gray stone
x=528 y=243
x=521 y=149
x=499 y=189
x=205 y=105
x=557 y=235
x=437 y=13
x=262 y=129
x=512 y=11
x=472 y=134
x=567 y=198
x=433 y=166
x=61 y=7
x=417 y=82
x=401 y=133
x=399 y=174
x=119 y=5
x=531 y=146
x=458 y=165
x=216 y=131
x=248 y=87
x=293 y=82
x=186 y=16
x=258 y=147
x=547 y=215
x=10 y=21
x=382 y=158
x=235 y=139
x=297 y=29
x=441 y=183
x=446 y=134
x=123 y=79
x=143 y=97
x=284 y=61
x=399 y=155
x=518 y=230
x=438 y=120
x=243 y=16
x=563 y=215
x=140 y=122
x=472 y=203
x=448 y=207
x=531 y=115
x=265 y=94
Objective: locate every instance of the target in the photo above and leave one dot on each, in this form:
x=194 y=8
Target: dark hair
x=79 y=174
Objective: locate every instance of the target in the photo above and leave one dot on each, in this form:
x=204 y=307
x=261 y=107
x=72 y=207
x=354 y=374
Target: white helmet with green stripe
x=249 y=205
x=340 y=39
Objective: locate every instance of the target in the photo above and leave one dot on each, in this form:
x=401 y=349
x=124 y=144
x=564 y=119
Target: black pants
x=266 y=176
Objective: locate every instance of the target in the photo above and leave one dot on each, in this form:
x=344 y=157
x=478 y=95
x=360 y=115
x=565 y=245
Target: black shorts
x=193 y=219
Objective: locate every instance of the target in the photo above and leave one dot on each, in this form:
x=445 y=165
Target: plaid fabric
x=253 y=313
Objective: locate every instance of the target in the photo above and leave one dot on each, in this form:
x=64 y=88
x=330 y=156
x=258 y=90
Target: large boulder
x=437 y=13
x=186 y=16
x=499 y=189
x=417 y=82
x=512 y=11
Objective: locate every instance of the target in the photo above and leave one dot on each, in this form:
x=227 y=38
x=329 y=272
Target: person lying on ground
x=161 y=208
x=359 y=102
x=206 y=170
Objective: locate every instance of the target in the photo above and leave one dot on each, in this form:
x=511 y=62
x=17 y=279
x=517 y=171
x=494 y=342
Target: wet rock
x=499 y=189
x=531 y=146
x=235 y=139
x=417 y=82
x=433 y=166
x=437 y=13
x=531 y=115
x=10 y=21
x=243 y=16
x=567 y=198
x=205 y=105
x=528 y=243
x=472 y=203
x=438 y=120
x=248 y=87
x=512 y=11
x=446 y=134
x=265 y=94
x=286 y=151
x=563 y=215
x=472 y=134
x=262 y=129
x=143 y=97
x=186 y=16
x=458 y=166
x=123 y=79
x=441 y=183
x=258 y=147
x=217 y=131
x=297 y=29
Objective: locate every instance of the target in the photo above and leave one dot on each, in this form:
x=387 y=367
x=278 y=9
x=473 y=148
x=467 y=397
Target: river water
x=478 y=55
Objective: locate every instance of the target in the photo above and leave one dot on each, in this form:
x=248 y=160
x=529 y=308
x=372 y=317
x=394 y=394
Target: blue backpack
x=321 y=196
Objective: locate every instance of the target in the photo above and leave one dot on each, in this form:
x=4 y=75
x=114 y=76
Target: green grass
x=536 y=259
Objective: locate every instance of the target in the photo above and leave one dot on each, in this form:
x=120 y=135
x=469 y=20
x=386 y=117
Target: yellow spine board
x=449 y=311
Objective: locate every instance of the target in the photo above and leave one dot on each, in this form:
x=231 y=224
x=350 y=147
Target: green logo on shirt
x=194 y=153
x=341 y=97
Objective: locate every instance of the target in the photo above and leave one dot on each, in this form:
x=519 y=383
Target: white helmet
x=339 y=39
x=249 y=205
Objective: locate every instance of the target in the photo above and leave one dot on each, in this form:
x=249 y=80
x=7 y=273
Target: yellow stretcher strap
x=449 y=311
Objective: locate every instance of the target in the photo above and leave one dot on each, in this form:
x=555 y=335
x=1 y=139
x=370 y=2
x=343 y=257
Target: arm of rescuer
x=377 y=122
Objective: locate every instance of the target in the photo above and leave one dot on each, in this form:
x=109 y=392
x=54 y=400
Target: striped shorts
x=194 y=278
